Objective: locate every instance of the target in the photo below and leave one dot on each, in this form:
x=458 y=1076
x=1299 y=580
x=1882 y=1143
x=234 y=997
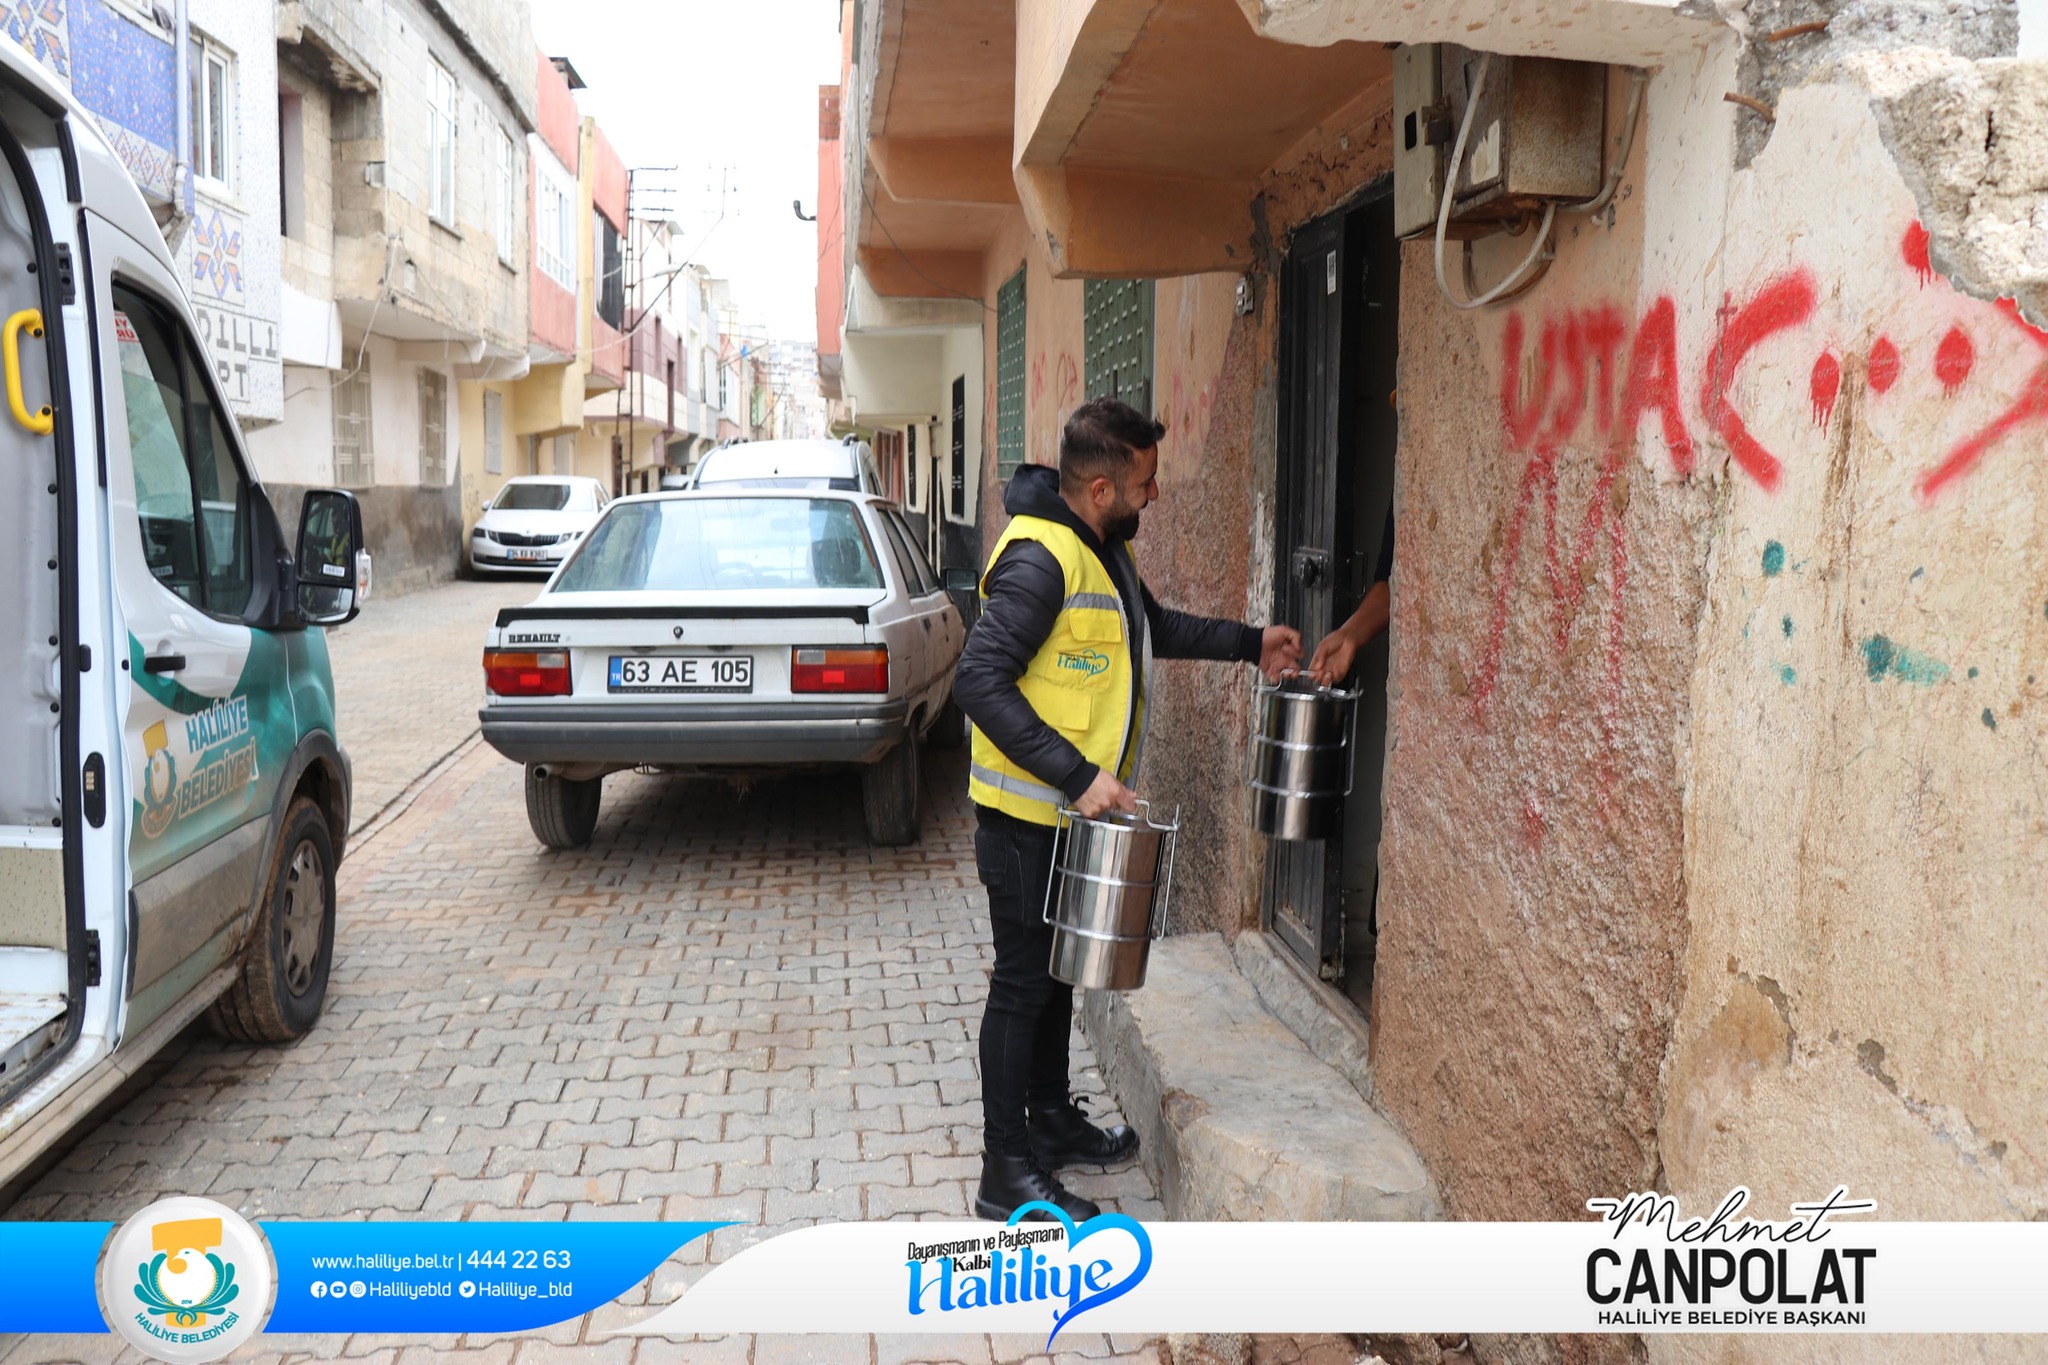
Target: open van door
x=62 y=813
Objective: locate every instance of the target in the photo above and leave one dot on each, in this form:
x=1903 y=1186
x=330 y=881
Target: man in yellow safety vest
x=1056 y=678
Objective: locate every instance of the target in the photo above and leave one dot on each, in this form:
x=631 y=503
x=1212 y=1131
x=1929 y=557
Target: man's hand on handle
x=1104 y=794
x=1279 y=651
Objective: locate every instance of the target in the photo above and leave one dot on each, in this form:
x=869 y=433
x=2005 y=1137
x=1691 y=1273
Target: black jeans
x=1025 y=1026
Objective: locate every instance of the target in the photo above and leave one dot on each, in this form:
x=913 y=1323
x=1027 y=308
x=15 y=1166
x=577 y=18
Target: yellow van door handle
x=42 y=419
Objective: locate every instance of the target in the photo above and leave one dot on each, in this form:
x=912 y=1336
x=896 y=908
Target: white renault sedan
x=728 y=633
x=534 y=522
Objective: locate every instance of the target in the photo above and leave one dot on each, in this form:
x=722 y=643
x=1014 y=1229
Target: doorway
x=1339 y=343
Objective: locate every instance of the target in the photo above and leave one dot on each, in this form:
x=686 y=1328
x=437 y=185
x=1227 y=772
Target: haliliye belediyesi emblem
x=159 y=781
x=186 y=1280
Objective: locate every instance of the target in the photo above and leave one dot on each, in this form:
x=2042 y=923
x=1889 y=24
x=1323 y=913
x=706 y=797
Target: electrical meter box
x=1422 y=140
x=1536 y=137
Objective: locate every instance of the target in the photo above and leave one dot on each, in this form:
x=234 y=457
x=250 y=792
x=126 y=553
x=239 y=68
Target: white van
x=173 y=800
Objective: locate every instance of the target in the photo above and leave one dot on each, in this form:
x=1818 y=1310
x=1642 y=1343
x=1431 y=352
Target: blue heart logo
x=1101 y=1222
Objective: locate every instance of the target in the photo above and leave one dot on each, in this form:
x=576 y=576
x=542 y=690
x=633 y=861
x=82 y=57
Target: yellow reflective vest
x=1079 y=682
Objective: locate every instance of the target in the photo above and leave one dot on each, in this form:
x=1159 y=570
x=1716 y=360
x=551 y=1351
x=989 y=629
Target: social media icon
x=467 y=1289
x=337 y=1289
x=319 y=1289
x=357 y=1289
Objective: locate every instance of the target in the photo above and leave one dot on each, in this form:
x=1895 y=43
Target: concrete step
x=1238 y=1120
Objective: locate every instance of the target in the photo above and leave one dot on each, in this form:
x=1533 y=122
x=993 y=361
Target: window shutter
x=1117 y=336
x=1010 y=376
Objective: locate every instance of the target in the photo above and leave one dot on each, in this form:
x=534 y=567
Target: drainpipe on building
x=181 y=172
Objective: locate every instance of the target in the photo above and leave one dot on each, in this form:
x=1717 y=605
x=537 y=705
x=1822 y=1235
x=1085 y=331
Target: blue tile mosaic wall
x=123 y=73
x=38 y=25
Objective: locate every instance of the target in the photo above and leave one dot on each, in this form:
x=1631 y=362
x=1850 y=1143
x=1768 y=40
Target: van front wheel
x=283 y=984
x=563 y=813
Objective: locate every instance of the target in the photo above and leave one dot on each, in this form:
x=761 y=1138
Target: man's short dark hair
x=1101 y=438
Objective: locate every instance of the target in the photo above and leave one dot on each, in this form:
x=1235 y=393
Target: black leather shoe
x=1061 y=1135
x=1007 y=1181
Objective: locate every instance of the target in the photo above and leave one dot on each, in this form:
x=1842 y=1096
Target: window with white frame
x=212 y=92
x=503 y=206
x=441 y=116
x=353 y=464
x=554 y=221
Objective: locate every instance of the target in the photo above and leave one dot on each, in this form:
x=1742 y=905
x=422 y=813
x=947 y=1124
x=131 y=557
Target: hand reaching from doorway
x=1104 y=794
x=1339 y=649
x=1279 y=651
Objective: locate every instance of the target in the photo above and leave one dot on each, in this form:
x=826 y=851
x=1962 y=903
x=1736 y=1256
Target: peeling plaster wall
x=1548 y=573
x=1716 y=809
x=1869 y=813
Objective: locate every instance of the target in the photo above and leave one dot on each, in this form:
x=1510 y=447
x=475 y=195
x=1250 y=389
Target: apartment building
x=402 y=136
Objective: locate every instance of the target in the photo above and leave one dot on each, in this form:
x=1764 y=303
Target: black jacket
x=1026 y=589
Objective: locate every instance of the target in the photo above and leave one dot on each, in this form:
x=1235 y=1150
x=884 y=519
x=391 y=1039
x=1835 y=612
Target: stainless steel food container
x=1301 y=758
x=1112 y=877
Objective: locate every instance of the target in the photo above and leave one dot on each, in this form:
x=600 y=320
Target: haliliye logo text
x=1027 y=1263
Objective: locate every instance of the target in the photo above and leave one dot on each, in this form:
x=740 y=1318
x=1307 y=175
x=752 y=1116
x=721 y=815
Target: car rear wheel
x=889 y=795
x=283 y=984
x=563 y=813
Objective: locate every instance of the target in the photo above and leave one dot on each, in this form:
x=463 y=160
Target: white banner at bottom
x=1633 y=1272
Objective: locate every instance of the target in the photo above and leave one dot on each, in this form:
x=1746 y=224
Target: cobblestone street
x=728 y=1007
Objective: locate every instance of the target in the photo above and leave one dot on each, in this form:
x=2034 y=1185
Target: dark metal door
x=1301 y=895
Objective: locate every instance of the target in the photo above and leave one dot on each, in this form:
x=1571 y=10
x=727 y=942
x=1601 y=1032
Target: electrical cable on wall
x=1443 y=216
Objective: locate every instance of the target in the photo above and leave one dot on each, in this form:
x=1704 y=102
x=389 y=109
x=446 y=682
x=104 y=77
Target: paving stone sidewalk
x=728 y=1007
x=408 y=678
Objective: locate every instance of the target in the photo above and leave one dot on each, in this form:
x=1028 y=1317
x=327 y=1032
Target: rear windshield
x=532 y=497
x=705 y=544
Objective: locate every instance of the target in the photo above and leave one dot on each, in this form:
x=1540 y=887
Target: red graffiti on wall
x=1884 y=365
x=1953 y=359
x=1914 y=248
x=1783 y=303
x=1059 y=381
x=1187 y=417
x=1574 y=360
x=2028 y=409
x=1822 y=385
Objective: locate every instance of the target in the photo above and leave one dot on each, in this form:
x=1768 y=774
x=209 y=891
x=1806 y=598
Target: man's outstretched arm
x=1181 y=635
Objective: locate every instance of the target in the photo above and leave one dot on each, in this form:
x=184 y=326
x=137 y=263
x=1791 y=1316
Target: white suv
x=847 y=465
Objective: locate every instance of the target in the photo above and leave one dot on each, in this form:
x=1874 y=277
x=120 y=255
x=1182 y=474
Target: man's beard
x=1122 y=523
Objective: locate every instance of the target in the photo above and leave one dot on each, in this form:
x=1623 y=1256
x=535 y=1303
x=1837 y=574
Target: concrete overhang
x=400 y=319
x=1145 y=128
x=1629 y=32
x=933 y=174
x=870 y=310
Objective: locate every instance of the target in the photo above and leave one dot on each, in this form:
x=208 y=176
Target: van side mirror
x=960 y=579
x=333 y=566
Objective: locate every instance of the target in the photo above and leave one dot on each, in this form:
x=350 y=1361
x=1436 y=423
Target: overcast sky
x=716 y=89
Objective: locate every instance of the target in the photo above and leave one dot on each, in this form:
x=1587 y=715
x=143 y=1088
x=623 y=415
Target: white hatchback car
x=725 y=633
x=534 y=522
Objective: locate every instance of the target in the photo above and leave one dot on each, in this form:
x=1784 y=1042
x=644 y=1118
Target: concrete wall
x=1713 y=833
x=1713 y=829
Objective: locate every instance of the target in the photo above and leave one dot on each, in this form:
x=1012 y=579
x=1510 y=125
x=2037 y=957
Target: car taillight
x=839 y=670
x=527 y=675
